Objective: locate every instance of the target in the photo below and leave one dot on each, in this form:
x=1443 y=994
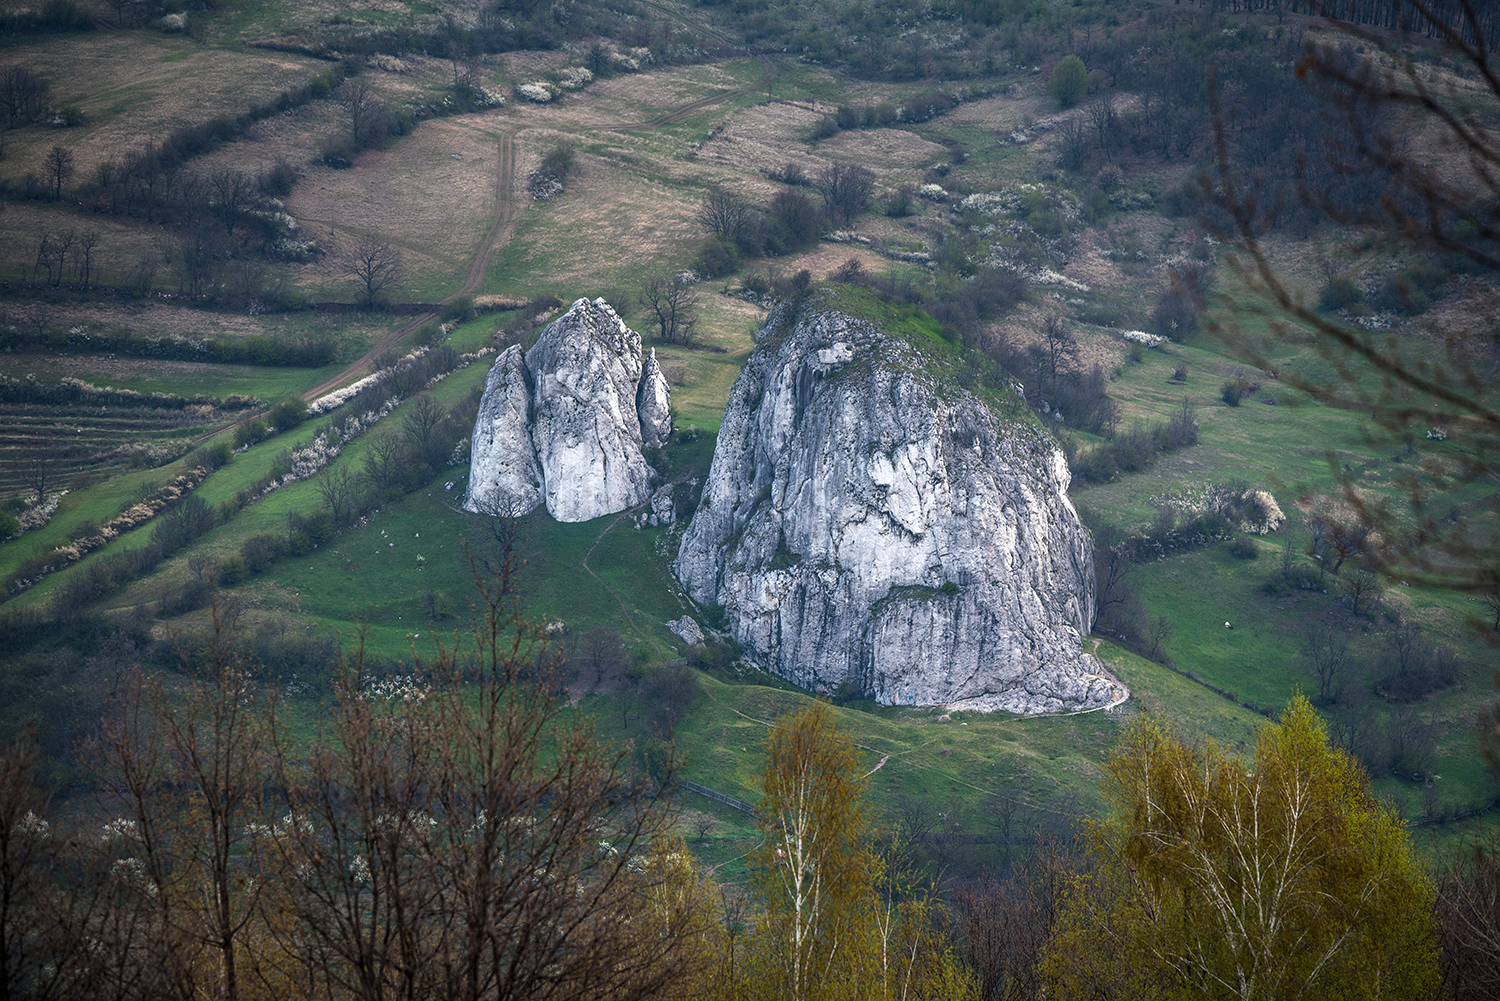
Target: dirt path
x=504 y=216
x=618 y=600
x=504 y=212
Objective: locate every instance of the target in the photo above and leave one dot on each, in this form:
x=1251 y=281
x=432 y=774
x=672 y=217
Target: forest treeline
x=456 y=830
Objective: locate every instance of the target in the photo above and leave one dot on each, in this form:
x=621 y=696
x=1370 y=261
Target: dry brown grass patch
x=416 y=195
x=884 y=150
x=129 y=95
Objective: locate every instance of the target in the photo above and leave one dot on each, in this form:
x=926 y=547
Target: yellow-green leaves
x=1277 y=877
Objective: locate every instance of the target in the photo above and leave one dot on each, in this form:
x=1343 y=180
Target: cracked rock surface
x=563 y=425
x=865 y=526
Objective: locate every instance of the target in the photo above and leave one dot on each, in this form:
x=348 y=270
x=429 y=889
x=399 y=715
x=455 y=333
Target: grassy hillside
x=453 y=197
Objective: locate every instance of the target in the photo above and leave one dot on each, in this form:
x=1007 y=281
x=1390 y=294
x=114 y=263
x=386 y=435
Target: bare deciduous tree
x=188 y=768
x=1002 y=924
x=365 y=113
x=83 y=257
x=672 y=298
x=339 y=489
x=1325 y=652
x=381 y=467
x=603 y=650
x=377 y=266
x=59 y=166
x=1468 y=917
x=40 y=466
x=1101 y=115
x=462 y=835
x=846 y=190
x=23 y=95
x=725 y=214
x=421 y=428
x=1072 y=142
x=1382 y=95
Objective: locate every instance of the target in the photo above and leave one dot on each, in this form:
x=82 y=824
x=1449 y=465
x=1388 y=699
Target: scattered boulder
x=687 y=630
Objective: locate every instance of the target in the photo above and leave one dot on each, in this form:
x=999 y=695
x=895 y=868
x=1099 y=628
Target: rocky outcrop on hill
x=866 y=527
x=566 y=423
x=654 y=403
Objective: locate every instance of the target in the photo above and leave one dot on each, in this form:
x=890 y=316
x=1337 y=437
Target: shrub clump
x=1069 y=81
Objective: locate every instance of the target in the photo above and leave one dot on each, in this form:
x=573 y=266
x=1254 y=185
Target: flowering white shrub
x=464 y=361
x=1141 y=337
x=297 y=250
x=575 y=78
x=323 y=449
x=32 y=826
x=621 y=61
x=932 y=192
x=38 y=515
x=131 y=872
x=538 y=92
x=119 y=829
x=174 y=22
x=339 y=397
x=1046 y=276
x=399 y=688
x=1021 y=199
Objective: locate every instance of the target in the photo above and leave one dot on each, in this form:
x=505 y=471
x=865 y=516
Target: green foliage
x=716 y=258
x=1340 y=291
x=1069 y=81
x=837 y=920
x=10 y=526
x=1215 y=877
x=1243 y=549
x=288 y=413
x=250 y=432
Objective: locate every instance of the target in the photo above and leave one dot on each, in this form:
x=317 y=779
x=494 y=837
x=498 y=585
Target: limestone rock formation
x=505 y=478
x=654 y=403
x=866 y=524
x=561 y=425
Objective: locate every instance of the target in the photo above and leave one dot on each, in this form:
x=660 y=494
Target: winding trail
x=504 y=216
x=504 y=213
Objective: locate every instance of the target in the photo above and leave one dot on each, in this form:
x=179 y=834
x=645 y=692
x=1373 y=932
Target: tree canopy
x=1215 y=877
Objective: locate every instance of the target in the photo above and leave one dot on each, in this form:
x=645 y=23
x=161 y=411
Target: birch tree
x=1277 y=877
x=813 y=871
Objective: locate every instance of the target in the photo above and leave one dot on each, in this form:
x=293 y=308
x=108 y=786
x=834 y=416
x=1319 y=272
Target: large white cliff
x=864 y=525
x=566 y=424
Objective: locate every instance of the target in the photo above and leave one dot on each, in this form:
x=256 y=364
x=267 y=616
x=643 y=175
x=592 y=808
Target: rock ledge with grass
x=567 y=423
x=868 y=527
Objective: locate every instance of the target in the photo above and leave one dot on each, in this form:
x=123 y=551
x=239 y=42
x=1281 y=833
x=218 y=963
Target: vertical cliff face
x=654 y=403
x=561 y=425
x=863 y=524
x=505 y=478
